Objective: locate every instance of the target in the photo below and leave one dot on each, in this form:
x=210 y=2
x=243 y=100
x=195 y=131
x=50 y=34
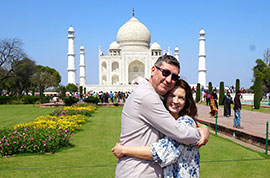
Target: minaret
x=202 y=60
x=71 y=57
x=82 y=66
x=176 y=53
x=169 y=50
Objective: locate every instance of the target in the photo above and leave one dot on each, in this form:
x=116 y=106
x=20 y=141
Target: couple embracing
x=159 y=133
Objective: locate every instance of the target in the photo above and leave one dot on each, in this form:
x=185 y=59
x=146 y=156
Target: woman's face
x=176 y=101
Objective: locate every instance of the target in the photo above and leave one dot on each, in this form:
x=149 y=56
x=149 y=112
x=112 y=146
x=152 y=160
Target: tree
x=264 y=71
x=237 y=85
x=210 y=87
x=71 y=87
x=257 y=91
x=45 y=77
x=81 y=91
x=221 y=93
x=198 y=93
x=23 y=72
x=266 y=56
x=10 y=52
x=62 y=90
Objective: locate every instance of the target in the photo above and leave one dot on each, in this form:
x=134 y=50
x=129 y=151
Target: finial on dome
x=133 y=13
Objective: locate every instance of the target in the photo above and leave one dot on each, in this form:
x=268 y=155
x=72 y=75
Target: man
x=237 y=110
x=144 y=117
x=227 y=101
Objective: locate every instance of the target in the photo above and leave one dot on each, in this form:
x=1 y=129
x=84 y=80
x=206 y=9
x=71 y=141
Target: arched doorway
x=135 y=72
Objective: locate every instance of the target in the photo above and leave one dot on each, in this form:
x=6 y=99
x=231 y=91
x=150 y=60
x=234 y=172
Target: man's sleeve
x=155 y=114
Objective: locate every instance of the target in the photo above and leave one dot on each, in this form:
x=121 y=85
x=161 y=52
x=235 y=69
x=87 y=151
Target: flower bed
x=32 y=139
x=46 y=133
x=70 y=122
x=75 y=110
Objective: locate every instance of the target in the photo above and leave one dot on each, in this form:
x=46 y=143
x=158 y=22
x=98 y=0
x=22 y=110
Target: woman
x=213 y=109
x=178 y=160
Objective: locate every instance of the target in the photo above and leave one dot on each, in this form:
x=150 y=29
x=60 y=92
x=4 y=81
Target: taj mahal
x=129 y=59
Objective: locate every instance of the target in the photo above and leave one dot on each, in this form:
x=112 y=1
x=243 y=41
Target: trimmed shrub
x=210 y=87
x=44 y=99
x=221 y=93
x=237 y=85
x=30 y=99
x=70 y=100
x=81 y=91
x=198 y=93
x=6 y=99
x=91 y=99
x=257 y=91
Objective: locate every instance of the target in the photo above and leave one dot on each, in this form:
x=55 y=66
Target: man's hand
x=118 y=150
x=204 y=136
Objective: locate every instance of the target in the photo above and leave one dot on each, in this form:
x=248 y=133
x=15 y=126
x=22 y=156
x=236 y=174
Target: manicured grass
x=91 y=156
x=10 y=115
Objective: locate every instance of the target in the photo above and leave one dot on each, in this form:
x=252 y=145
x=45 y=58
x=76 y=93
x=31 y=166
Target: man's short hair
x=169 y=59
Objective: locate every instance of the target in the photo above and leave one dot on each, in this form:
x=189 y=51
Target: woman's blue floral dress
x=176 y=159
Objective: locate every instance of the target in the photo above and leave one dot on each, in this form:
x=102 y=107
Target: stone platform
x=57 y=104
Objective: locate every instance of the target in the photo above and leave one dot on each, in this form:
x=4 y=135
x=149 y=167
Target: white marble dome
x=114 y=45
x=155 y=46
x=133 y=33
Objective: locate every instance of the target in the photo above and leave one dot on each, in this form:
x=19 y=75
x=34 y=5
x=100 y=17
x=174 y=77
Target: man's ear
x=153 y=70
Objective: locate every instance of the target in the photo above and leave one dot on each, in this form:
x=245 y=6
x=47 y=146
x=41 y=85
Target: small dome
x=133 y=32
x=82 y=48
x=71 y=29
x=114 y=45
x=155 y=46
x=176 y=48
x=202 y=32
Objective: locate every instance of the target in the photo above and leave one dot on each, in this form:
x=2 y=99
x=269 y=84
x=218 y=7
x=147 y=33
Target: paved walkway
x=253 y=123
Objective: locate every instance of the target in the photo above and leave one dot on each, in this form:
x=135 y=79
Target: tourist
x=101 y=96
x=227 y=101
x=213 y=107
x=111 y=96
x=214 y=94
x=177 y=159
x=207 y=96
x=144 y=118
x=237 y=110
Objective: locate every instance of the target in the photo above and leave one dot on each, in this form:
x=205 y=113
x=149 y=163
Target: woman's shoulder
x=186 y=119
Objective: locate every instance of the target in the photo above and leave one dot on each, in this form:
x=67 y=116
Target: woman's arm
x=142 y=152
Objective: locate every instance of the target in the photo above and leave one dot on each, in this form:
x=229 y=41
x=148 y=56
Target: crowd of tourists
x=110 y=97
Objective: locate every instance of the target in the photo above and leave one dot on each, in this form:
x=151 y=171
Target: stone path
x=253 y=123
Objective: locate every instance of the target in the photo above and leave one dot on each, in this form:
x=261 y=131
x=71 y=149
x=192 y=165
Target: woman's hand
x=118 y=150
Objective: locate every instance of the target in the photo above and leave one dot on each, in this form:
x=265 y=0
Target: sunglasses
x=167 y=73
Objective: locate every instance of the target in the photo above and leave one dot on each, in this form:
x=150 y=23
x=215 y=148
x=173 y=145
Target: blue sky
x=237 y=32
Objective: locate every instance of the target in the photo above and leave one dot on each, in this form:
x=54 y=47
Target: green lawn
x=91 y=156
x=10 y=115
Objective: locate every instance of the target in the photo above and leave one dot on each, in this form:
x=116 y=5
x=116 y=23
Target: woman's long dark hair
x=190 y=107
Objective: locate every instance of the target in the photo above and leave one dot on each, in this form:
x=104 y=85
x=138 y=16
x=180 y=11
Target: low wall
x=239 y=134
